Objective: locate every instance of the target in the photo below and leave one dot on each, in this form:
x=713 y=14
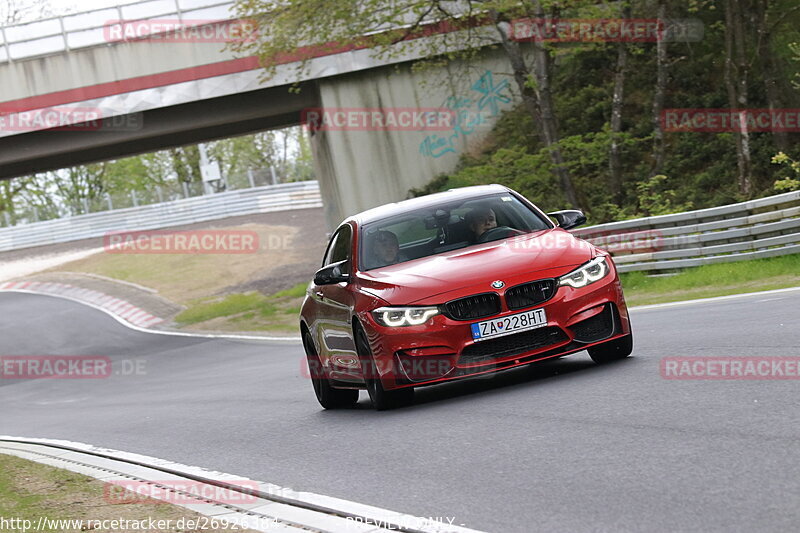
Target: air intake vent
x=515 y=344
x=596 y=328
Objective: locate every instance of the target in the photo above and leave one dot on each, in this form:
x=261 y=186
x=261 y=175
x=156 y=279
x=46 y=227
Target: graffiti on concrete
x=469 y=114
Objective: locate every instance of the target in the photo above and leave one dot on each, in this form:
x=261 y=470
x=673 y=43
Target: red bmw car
x=451 y=285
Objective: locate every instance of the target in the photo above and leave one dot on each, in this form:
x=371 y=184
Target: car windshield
x=445 y=227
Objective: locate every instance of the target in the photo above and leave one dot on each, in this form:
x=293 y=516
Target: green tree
x=787 y=183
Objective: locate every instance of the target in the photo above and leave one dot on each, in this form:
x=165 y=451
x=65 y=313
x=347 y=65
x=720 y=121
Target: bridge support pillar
x=359 y=169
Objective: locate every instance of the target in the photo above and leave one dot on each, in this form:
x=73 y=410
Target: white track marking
x=156 y=331
x=713 y=300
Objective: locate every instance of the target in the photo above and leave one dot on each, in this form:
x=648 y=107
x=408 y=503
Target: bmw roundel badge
x=498 y=284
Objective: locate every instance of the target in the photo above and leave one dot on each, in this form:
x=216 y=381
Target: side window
x=329 y=252
x=339 y=247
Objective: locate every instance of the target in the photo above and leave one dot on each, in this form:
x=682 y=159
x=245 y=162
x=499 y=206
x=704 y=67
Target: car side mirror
x=569 y=218
x=331 y=274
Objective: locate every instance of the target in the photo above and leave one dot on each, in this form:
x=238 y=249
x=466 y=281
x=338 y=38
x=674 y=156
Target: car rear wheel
x=613 y=350
x=382 y=399
x=327 y=396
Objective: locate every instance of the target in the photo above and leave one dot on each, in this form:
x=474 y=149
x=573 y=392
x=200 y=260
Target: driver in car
x=480 y=220
x=386 y=249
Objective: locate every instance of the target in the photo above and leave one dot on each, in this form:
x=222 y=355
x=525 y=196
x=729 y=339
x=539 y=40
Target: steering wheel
x=500 y=232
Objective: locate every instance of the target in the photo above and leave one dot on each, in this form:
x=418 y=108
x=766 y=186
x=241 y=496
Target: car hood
x=471 y=270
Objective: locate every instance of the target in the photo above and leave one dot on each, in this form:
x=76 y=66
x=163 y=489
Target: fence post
x=135 y=200
x=185 y=189
x=274 y=176
x=85 y=202
x=35 y=214
x=159 y=194
x=250 y=178
x=8 y=218
x=110 y=203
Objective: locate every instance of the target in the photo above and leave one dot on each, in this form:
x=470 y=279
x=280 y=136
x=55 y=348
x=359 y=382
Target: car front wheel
x=382 y=399
x=612 y=350
x=327 y=396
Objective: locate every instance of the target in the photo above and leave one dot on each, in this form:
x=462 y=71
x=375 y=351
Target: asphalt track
x=562 y=446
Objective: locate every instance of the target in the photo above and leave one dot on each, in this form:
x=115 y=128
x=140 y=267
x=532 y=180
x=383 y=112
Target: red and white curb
x=109 y=309
x=126 y=311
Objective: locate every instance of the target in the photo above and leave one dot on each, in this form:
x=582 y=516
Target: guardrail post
x=274 y=176
x=135 y=200
x=250 y=178
x=8 y=218
x=35 y=214
x=110 y=203
x=85 y=202
x=185 y=189
x=159 y=194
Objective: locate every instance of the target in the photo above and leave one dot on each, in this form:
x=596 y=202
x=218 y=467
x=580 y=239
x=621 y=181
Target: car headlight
x=404 y=316
x=586 y=274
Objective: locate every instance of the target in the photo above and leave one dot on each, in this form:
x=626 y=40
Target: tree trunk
x=539 y=101
x=617 y=100
x=769 y=70
x=736 y=83
x=542 y=65
x=658 y=96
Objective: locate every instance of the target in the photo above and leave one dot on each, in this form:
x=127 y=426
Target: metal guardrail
x=88 y=28
x=767 y=227
x=282 y=197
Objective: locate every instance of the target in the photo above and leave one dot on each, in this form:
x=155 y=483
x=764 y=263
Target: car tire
x=382 y=399
x=327 y=396
x=613 y=350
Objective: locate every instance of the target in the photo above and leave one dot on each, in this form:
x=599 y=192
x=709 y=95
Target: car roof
x=398 y=208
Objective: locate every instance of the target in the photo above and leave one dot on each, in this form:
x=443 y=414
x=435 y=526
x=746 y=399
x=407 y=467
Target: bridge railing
x=282 y=197
x=766 y=227
x=89 y=28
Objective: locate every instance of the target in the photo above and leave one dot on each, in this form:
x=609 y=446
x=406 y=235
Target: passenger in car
x=480 y=220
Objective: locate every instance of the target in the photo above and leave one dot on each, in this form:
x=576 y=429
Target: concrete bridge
x=154 y=93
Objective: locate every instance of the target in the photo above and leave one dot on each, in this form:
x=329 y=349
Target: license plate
x=535 y=318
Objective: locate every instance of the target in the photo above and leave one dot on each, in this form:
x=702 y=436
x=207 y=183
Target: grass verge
x=251 y=311
x=185 y=277
x=30 y=491
x=713 y=280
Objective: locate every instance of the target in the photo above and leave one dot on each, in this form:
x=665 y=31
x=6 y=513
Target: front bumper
x=443 y=349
